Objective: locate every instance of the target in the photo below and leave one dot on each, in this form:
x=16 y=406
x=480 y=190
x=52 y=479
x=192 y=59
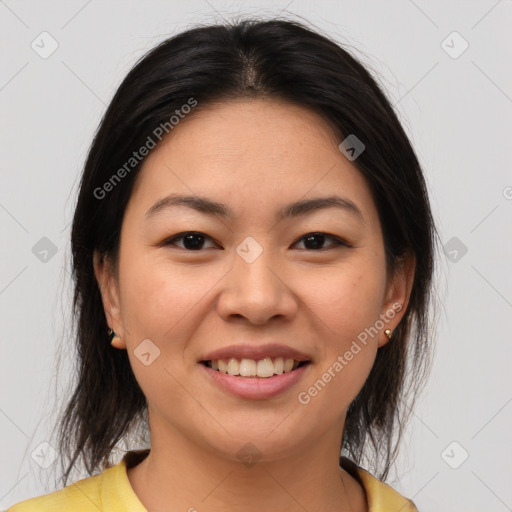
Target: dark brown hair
x=239 y=60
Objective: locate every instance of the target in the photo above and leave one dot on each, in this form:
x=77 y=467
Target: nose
x=256 y=291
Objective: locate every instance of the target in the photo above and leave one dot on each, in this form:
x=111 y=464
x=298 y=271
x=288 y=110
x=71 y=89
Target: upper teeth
x=252 y=368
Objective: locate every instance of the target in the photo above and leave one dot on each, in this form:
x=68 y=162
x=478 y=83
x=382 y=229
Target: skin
x=255 y=156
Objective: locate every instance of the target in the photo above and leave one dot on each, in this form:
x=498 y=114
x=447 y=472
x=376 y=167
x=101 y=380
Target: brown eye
x=315 y=241
x=192 y=240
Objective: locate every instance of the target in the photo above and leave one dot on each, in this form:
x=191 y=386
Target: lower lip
x=256 y=388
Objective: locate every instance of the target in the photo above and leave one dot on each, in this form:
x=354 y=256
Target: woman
x=253 y=252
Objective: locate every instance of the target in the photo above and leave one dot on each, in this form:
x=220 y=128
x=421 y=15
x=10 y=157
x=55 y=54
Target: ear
x=398 y=292
x=107 y=283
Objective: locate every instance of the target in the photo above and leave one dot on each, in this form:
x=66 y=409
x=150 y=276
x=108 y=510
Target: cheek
x=158 y=305
x=349 y=301
x=157 y=296
x=349 y=306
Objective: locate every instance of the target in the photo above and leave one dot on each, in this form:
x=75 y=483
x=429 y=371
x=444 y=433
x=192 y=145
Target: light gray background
x=457 y=112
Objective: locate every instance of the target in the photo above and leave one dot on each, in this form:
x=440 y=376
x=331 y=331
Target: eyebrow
x=295 y=209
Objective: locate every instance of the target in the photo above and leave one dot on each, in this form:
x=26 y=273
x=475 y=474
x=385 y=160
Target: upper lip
x=256 y=352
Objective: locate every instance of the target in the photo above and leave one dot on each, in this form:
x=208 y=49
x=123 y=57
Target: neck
x=181 y=475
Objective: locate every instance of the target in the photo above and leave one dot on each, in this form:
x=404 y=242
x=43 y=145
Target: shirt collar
x=117 y=489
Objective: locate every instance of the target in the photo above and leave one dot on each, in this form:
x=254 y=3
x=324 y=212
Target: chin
x=260 y=441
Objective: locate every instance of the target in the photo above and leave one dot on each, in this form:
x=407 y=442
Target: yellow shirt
x=111 y=491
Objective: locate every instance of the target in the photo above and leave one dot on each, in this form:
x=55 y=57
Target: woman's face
x=250 y=278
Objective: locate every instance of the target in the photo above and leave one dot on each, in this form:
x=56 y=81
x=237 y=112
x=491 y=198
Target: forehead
x=255 y=152
x=241 y=126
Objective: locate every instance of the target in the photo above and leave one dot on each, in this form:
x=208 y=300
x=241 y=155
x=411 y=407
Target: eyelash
x=337 y=241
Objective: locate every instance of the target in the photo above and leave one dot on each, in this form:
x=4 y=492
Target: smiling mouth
x=263 y=368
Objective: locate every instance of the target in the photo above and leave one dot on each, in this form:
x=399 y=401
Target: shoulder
x=109 y=490
x=381 y=497
x=81 y=496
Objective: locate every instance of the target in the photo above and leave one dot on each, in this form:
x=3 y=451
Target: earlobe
x=115 y=340
x=398 y=295
x=109 y=295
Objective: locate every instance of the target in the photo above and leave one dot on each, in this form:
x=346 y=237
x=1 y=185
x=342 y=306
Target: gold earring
x=111 y=335
x=388 y=333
